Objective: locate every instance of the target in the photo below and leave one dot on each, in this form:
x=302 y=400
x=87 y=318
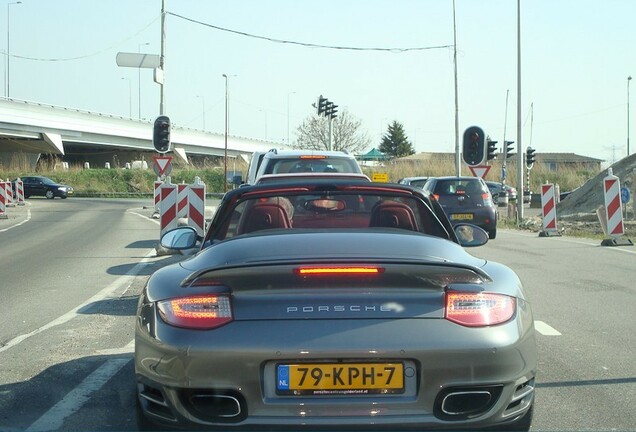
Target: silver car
x=332 y=304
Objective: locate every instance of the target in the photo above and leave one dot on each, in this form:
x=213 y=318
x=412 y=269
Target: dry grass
x=567 y=178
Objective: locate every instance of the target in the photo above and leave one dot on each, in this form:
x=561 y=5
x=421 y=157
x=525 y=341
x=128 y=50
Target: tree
x=313 y=134
x=395 y=143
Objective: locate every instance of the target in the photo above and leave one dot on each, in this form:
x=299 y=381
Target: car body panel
x=413 y=181
x=461 y=206
x=496 y=188
x=306 y=161
x=233 y=376
x=44 y=186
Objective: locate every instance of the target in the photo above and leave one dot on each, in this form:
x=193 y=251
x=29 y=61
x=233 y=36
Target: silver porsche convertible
x=335 y=305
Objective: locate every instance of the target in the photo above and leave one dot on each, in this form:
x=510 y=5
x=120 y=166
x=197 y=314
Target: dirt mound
x=586 y=199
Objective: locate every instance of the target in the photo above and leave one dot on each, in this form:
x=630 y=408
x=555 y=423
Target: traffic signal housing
x=331 y=110
x=161 y=134
x=473 y=146
x=508 y=148
x=530 y=157
x=322 y=105
x=492 y=149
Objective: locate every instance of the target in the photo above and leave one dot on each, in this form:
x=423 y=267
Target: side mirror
x=470 y=235
x=180 y=238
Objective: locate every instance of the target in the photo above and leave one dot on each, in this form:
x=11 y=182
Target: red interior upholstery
x=393 y=214
x=265 y=216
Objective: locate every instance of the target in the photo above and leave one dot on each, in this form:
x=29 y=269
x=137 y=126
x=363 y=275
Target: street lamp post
x=226 y=127
x=129 y=97
x=629 y=78
x=139 y=79
x=8 y=45
x=288 y=94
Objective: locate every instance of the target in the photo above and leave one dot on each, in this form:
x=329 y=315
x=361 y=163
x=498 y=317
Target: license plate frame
x=462 y=216
x=339 y=378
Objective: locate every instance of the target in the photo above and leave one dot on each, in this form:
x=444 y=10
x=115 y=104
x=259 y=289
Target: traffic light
x=473 y=148
x=331 y=110
x=492 y=149
x=322 y=105
x=161 y=134
x=530 y=157
x=508 y=148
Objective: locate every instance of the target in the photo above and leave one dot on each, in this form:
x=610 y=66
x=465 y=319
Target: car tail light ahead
x=348 y=270
x=487 y=199
x=197 y=312
x=478 y=309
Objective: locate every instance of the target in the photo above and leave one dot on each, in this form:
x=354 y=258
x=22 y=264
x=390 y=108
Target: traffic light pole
x=519 y=148
x=162 y=58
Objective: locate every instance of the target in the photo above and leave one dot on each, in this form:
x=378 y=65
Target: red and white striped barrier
x=157 y=190
x=182 y=200
x=614 y=211
x=167 y=207
x=548 y=204
x=3 y=199
x=8 y=190
x=19 y=191
x=196 y=206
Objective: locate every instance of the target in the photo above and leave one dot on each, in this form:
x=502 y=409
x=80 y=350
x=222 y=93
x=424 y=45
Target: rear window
x=319 y=165
x=468 y=187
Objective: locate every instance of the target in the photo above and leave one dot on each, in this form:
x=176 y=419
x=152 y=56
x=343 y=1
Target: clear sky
x=576 y=56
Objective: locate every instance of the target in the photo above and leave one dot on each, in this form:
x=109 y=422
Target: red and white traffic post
x=196 y=206
x=182 y=201
x=19 y=191
x=167 y=207
x=548 y=204
x=157 y=194
x=614 y=212
x=3 y=200
x=8 y=190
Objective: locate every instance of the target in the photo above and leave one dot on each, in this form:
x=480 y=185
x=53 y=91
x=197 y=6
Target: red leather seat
x=393 y=214
x=265 y=216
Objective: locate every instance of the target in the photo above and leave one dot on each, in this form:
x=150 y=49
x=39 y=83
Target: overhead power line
x=305 y=44
x=107 y=49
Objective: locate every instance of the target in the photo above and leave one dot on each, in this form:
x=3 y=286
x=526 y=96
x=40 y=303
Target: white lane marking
x=143 y=216
x=108 y=292
x=54 y=418
x=28 y=218
x=545 y=329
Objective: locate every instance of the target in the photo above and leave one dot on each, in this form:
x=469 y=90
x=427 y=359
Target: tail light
x=479 y=309
x=349 y=270
x=197 y=312
x=435 y=197
x=487 y=199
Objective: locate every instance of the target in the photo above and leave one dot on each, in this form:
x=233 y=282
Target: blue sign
x=624 y=195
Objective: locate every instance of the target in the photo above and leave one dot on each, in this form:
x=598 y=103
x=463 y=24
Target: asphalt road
x=71 y=271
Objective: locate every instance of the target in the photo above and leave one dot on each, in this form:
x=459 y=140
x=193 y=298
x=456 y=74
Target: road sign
x=480 y=170
x=162 y=165
x=625 y=195
x=137 y=60
x=380 y=177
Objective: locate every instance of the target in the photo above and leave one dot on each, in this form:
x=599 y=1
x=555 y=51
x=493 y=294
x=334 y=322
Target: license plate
x=462 y=216
x=328 y=379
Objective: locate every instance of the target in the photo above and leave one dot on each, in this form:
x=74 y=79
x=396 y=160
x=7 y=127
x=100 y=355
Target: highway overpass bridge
x=76 y=136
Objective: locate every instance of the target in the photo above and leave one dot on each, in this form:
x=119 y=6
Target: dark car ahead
x=465 y=199
x=44 y=186
x=333 y=305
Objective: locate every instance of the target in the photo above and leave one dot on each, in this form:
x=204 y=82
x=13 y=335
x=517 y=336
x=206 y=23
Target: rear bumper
x=182 y=370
